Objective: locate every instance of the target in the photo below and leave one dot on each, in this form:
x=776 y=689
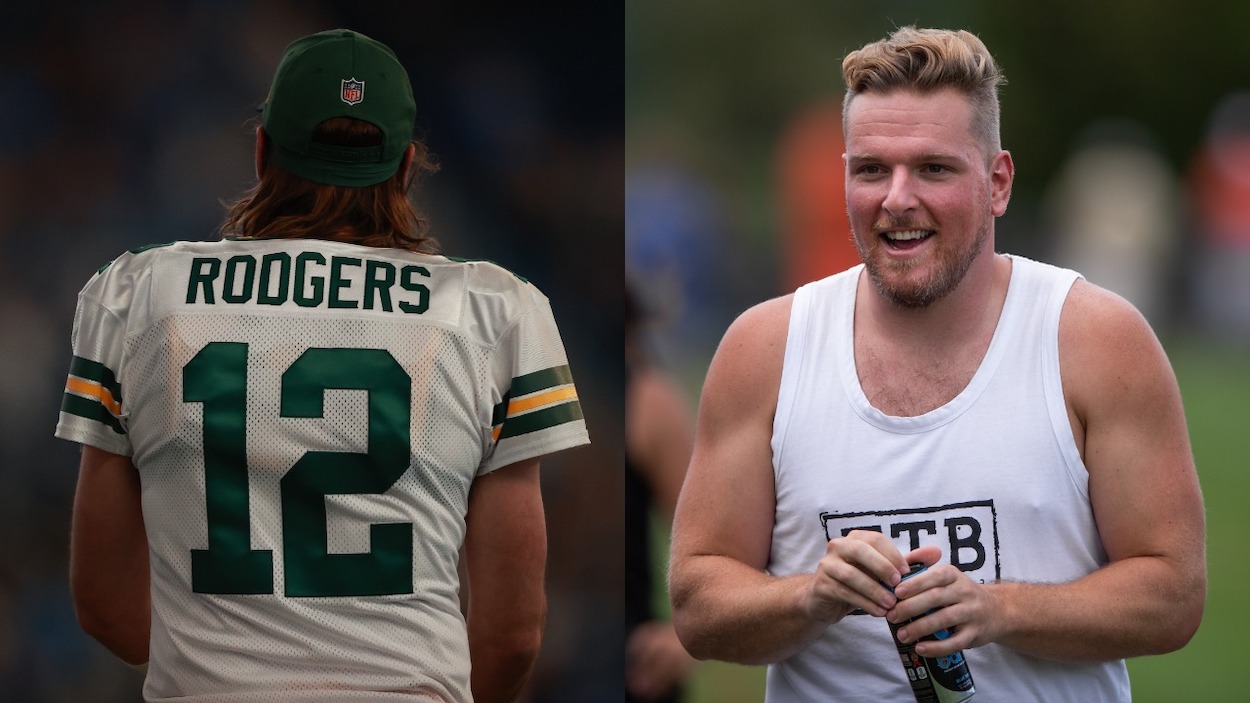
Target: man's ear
x=1002 y=175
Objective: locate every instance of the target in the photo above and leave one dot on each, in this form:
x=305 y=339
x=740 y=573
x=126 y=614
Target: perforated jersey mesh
x=177 y=363
x=331 y=637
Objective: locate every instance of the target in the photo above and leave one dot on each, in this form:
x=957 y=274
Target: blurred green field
x=1215 y=385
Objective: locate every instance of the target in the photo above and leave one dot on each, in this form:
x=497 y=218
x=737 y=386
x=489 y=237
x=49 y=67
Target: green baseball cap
x=339 y=73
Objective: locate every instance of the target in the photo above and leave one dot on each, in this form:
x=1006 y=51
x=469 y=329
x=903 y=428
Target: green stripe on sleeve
x=542 y=419
x=90 y=409
x=500 y=412
x=541 y=380
x=95 y=371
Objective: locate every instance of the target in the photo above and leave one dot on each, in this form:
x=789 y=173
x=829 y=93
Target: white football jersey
x=306 y=418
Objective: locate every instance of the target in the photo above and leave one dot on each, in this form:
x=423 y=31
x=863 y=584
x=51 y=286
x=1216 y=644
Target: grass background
x=1215 y=385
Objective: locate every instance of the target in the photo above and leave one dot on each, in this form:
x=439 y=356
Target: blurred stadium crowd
x=127 y=122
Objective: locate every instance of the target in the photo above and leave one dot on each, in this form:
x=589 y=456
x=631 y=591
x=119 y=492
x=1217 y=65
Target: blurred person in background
x=1219 y=185
x=815 y=237
x=1011 y=426
x=1115 y=211
x=675 y=217
x=289 y=434
x=658 y=439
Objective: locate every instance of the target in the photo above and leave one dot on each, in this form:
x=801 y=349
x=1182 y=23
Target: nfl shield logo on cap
x=353 y=91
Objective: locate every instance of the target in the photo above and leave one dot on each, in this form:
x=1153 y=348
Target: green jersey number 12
x=217 y=377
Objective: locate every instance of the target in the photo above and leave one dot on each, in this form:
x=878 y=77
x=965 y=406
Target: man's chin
x=904 y=291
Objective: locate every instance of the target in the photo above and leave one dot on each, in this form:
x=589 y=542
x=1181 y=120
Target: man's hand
x=858 y=571
x=961 y=605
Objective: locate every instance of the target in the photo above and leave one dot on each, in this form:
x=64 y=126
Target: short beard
x=952 y=267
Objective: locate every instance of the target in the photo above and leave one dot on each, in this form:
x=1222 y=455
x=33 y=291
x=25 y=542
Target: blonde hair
x=926 y=60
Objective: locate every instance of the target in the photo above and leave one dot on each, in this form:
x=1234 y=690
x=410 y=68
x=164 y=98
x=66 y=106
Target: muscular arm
x=506 y=555
x=1129 y=422
x=1143 y=490
x=108 y=565
x=724 y=604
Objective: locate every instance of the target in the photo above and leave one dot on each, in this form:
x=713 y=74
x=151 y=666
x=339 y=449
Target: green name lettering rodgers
x=309 y=281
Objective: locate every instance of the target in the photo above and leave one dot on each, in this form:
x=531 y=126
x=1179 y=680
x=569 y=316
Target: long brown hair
x=283 y=205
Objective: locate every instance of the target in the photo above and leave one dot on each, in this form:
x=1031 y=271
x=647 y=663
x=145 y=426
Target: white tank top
x=993 y=478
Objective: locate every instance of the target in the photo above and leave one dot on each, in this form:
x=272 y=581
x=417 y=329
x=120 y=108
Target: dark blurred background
x=1129 y=125
x=127 y=122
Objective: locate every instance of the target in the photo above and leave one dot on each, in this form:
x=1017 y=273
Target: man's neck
x=969 y=312
x=910 y=361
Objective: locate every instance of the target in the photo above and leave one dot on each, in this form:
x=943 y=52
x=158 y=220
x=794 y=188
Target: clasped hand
x=864 y=570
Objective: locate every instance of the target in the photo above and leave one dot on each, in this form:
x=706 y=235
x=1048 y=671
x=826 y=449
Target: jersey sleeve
x=91 y=408
x=539 y=412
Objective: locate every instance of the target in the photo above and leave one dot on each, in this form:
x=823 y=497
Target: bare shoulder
x=1096 y=322
x=740 y=391
x=774 y=311
x=727 y=502
x=1108 y=351
x=754 y=346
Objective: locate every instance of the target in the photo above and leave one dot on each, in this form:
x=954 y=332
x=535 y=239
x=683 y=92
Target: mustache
x=899 y=223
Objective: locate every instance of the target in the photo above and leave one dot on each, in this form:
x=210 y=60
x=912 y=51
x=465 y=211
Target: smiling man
x=1004 y=422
